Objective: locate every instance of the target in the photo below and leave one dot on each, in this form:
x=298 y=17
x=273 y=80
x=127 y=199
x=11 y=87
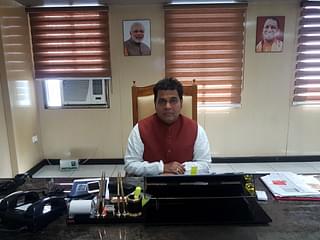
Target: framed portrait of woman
x=269 y=34
x=136 y=37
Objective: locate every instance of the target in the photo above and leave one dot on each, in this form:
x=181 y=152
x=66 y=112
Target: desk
x=290 y=221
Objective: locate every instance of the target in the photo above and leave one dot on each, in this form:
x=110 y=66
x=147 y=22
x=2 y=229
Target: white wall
x=142 y=69
x=266 y=123
x=20 y=120
x=260 y=127
x=102 y=133
x=5 y=170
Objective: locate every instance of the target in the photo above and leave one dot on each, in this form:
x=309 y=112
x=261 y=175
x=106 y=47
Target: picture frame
x=136 y=37
x=270 y=34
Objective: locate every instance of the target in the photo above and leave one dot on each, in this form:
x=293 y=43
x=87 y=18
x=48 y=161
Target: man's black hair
x=168 y=84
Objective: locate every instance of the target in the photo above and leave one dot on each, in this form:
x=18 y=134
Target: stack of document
x=291 y=186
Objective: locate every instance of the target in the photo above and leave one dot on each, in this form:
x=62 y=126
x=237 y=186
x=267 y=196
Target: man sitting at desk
x=166 y=141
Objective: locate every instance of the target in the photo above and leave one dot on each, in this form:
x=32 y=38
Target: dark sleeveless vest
x=168 y=143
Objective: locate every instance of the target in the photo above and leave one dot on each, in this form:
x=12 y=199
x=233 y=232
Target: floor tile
x=93 y=170
x=251 y=167
x=220 y=168
x=315 y=165
x=118 y=169
x=52 y=171
x=297 y=167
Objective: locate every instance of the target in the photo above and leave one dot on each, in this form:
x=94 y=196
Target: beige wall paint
x=304 y=131
x=266 y=124
x=144 y=70
x=260 y=126
x=103 y=133
x=5 y=170
x=8 y=3
x=21 y=108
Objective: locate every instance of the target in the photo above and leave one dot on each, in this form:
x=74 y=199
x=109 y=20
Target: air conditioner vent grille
x=75 y=90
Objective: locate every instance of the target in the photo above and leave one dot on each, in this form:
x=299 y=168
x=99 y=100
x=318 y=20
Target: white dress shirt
x=135 y=165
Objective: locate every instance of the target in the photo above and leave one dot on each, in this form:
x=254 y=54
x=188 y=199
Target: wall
x=76 y=132
x=266 y=124
x=18 y=90
x=5 y=170
x=260 y=126
x=144 y=70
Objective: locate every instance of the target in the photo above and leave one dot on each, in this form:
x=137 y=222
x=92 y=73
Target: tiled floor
x=112 y=170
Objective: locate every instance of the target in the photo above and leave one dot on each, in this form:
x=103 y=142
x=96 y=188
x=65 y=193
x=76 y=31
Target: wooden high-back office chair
x=143 y=102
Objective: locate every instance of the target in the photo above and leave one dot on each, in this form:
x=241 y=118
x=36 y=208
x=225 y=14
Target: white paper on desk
x=288 y=184
x=312 y=181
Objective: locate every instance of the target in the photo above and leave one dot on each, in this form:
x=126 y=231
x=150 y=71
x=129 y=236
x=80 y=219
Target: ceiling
x=41 y=3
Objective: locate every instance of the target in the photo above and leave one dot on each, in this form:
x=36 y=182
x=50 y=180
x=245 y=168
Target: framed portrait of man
x=136 y=37
x=269 y=34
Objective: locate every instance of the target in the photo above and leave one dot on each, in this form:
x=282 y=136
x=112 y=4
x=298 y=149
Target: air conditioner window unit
x=83 y=91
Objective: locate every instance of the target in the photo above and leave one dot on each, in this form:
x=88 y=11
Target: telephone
x=26 y=208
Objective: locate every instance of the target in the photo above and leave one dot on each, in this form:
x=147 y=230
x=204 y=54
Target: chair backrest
x=143 y=102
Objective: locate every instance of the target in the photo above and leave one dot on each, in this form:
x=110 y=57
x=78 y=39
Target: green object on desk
x=145 y=199
x=136 y=196
x=194 y=170
x=137 y=192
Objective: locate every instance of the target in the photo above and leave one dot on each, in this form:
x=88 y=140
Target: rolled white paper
x=81 y=207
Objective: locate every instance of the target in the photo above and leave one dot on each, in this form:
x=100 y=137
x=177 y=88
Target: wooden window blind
x=70 y=42
x=307 y=76
x=206 y=43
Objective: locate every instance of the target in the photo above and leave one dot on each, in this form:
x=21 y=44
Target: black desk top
x=291 y=220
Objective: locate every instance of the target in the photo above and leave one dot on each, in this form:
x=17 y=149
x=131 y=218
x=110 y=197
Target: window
x=206 y=43
x=307 y=77
x=69 y=43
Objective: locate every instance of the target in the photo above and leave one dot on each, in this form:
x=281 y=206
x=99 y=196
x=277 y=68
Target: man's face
x=168 y=106
x=137 y=33
x=270 y=29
